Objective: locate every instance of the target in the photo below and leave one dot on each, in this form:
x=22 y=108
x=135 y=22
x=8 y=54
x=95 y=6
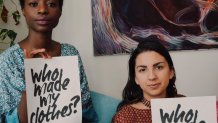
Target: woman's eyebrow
x=158 y=63
x=139 y=66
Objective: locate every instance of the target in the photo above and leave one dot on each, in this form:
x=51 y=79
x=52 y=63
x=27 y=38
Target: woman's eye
x=142 y=70
x=51 y=4
x=33 y=4
x=159 y=67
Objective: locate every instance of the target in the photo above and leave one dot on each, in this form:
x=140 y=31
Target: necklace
x=146 y=103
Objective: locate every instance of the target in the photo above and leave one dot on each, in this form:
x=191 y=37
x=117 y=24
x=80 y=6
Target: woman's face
x=152 y=74
x=42 y=15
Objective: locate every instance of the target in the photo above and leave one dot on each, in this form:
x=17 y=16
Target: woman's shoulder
x=122 y=114
x=130 y=109
x=129 y=112
x=68 y=46
x=126 y=108
x=68 y=49
x=11 y=51
x=12 y=54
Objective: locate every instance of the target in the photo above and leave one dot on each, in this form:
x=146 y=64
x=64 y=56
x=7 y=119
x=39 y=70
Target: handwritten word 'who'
x=180 y=116
x=55 y=78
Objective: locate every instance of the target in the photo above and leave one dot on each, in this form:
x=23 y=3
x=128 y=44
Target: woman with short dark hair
x=41 y=16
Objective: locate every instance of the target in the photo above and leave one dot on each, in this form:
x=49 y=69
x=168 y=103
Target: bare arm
x=22 y=109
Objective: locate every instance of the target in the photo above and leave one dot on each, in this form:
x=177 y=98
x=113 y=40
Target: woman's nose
x=152 y=75
x=42 y=9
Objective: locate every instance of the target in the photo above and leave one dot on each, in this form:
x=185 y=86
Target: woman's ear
x=171 y=73
x=136 y=81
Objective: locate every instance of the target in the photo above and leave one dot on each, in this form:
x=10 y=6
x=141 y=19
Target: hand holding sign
x=41 y=52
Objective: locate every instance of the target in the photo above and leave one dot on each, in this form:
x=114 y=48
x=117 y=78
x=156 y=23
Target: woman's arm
x=22 y=109
x=88 y=111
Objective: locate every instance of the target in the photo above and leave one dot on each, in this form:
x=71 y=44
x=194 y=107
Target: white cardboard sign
x=53 y=90
x=184 y=110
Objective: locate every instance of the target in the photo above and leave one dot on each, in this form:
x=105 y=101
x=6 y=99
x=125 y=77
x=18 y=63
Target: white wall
x=197 y=71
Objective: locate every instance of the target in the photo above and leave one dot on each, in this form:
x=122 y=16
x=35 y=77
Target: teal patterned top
x=12 y=82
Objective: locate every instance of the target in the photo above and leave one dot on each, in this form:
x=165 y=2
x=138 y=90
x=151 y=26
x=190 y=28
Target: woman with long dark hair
x=151 y=75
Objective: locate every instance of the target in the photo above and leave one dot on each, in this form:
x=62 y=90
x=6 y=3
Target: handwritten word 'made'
x=180 y=116
x=55 y=78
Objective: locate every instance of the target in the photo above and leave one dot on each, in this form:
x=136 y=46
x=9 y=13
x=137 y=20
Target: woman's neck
x=149 y=97
x=39 y=40
x=37 y=43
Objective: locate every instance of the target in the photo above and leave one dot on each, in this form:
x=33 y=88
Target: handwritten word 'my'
x=180 y=117
x=55 y=78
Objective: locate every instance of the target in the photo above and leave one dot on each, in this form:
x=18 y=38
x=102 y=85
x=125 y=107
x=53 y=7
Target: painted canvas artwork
x=119 y=25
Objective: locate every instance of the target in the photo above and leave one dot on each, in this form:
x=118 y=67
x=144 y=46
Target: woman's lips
x=154 y=86
x=42 y=22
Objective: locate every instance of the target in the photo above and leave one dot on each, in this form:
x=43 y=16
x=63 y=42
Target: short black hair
x=23 y=1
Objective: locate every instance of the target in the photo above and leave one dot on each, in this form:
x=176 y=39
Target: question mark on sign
x=76 y=98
